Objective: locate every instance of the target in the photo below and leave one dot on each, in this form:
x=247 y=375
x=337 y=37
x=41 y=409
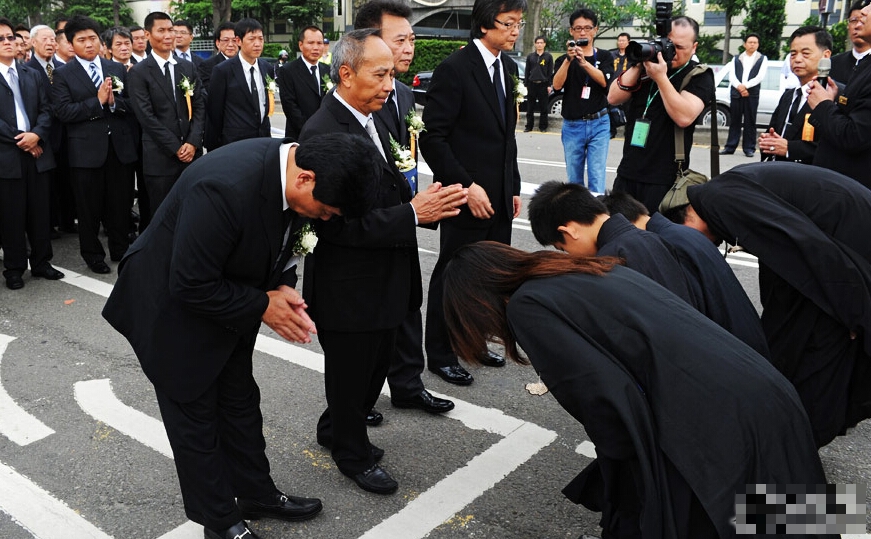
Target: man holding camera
x=656 y=108
x=584 y=73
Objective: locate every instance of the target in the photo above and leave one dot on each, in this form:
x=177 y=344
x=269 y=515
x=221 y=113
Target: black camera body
x=642 y=51
x=579 y=43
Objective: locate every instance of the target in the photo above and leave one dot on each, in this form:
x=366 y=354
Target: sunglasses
x=9 y=38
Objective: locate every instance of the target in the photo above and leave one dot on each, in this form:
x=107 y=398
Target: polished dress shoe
x=492 y=359
x=424 y=401
x=281 y=507
x=100 y=267
x=749 y=154
x=14 y=282
x=240 y=530
x=376 y=480
x=374 y=418
x=727 y=152
x=454 y=375
x=47 y=272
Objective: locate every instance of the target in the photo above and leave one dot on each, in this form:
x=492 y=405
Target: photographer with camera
x=656 y=108
x=584 y=73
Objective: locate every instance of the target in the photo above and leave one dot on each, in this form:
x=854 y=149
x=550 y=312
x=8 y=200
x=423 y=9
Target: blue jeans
x=586 y=141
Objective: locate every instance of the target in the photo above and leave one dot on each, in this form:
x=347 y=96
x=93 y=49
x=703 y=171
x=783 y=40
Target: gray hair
x=34 y=32
x=350 y=49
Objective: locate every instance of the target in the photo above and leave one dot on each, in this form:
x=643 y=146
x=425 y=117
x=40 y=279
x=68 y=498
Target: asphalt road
x=83 y=454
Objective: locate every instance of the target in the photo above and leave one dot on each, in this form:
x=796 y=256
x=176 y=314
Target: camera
x=579 y=43
x=642 y=51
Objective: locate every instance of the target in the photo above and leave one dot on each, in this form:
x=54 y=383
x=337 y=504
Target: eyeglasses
x=227 y=39
x=10 y=38
x=511 y=25
x=855 y=20
x=181 y=32
x=584 y=28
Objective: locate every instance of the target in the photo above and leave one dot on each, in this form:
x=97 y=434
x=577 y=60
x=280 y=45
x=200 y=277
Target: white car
x=773 y=86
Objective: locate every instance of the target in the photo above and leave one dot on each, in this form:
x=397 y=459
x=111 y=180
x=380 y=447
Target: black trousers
x=408 y=361
x=439 y=352
x=537 y=100
x=63 y=203
x=649 y=194
x=743 y=113
x=25 y=214
x=218 y=445
x=355 y=367
x=157 y=188
x=103 y=195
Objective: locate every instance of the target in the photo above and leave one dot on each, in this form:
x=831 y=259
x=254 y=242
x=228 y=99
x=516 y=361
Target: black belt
x=594 y=116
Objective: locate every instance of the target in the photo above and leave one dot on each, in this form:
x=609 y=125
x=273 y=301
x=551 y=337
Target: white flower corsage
x=306 y=240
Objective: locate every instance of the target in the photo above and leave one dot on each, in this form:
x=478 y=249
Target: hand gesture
x=286 y=315
x=104 y=92
x=773 y=144
x=186 y=153
x=818 y=93
x=437 y=202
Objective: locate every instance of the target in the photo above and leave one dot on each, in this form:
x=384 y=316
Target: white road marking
x=586 y=449
x=521 y=440
x=188 y=530
x=15 y=423
x=99 y=401
x=39 y=512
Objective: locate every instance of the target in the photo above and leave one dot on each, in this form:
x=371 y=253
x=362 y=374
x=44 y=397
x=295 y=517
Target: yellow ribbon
x=271 y=99
x=187 y=98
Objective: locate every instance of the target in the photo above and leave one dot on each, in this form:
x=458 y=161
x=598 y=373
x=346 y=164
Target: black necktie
x=793 y=110
x=391 y=106
x=317 y=82
x=168 y=77
x=254 y=95
x=500 y=92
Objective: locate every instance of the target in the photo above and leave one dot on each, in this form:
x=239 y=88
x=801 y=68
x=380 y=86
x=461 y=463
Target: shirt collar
x=283 y=151
x=362 y=118
x=138 y=58
x=160 y=61
x=246 y=64
x=4 y=69
x=859 y=55
x=41 y=61
x=306 y=62
x=488 y=56
x=87 y=65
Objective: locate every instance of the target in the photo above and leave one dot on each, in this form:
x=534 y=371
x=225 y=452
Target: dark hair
x=6 y=22
x=621 y=34
x=306 y=29
x=683 y=20
x=350 y=50
x=822 y=38
x=246 y=26
x=556 y=203
x=859 y=5
x=80 y=23
x=21 y=27
x=624 y=204
x=678 y=214
x=370 y=14
x=19 y=36
x=110 y=34
x=155 y=16
x=62 y=18
x=480 y=279
x=484 y=13
x=226 y=25
x=588 y=14
x=348 y=179
x=135 y=28
x=541 y=38
x=183 y=22
x=752 y=34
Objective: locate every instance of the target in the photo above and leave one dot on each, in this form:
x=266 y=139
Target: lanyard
x=651 y=95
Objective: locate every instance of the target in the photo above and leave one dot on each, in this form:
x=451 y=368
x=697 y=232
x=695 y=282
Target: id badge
x=639 y=133
x=585 y=92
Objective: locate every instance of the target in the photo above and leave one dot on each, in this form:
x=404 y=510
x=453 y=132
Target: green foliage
x=428 y=53
x=301 y=13
x=101 y=11
x=271 y=50
x=612 y=15
x=197 y=12
x=706 y=50
x=766 y=18
x=17 y=11
x=840 y=38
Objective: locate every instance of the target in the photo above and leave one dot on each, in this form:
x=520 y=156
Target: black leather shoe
x=454 y=375
x=426 y=402
x=100 y=267
x=492 y=359
x=376 y=480
x=14 y=282
x=727 y=152
x=527 y=129
x=281 y=507
x=47 y=272
x=240 y=530
x=374 y=418
x=749 y=154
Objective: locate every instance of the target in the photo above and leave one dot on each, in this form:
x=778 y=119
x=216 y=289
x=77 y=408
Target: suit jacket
x=87 y=123
x=364 y=274
x=205 y=69
x=405 y=100
x=197 y=277
x=799 y=150
x=231 y=109
x=196 y=59
x=56 y=126
x=843 y=126
x=36 y=106
x=164 y=118
x=466 y=139
x=299 y=94
x=843 y=65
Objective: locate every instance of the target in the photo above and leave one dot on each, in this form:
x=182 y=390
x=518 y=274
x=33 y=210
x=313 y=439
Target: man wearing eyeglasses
x=844 y=64
x=184 y=35
x=584 y=73
x=470 y=117
x=225 y=42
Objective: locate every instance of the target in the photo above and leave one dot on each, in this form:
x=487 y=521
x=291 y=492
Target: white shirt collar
x=138 y=58
x=247 y=65
x=310 y=66
x=4 y=69
x=859 y=55
x=87 y=65
x=161 y=61
x=362 y=118
x=488 y=56
x=179 y=53
x=41 y=61
x=283 y=151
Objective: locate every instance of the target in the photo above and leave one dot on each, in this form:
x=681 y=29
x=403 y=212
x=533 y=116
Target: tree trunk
x=116 y=12
x=727 y=34
x=533 y=28
x=221 y=11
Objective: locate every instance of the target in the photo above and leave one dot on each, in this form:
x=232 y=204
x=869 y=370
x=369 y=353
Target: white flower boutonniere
x=117 y=85
x=271 y=85
x=271 y=88
x=306 y=240
x=520 y=91
x=403 y=157
x=414 y=123
x=328 y=82
x=187 y=86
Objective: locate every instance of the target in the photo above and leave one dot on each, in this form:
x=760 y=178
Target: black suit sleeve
x=140 y=94
x=197 y=123
x=287 y=87
x=217 y=100
x=850 y=130
x=65 y=108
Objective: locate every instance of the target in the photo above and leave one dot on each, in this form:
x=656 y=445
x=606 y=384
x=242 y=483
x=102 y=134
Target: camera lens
x=570 y=44
x=583 y=42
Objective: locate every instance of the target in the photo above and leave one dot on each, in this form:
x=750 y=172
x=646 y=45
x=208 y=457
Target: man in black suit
x=25 y=151
x=239 y=92
x=844 y=121
x=172 y=133
x=844 y=64
x=217 y=260
x=301 y=82
x=225 y=43
x=406 y=387
x=364 y=276
x=469 y=138
x=184 y=35
x=101 y=142
x=140 y=43
x=789 y=136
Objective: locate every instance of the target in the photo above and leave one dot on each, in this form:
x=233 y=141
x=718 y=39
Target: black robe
x=671 y=400
x=713 y=284
x=644 y=252
x=808 y=227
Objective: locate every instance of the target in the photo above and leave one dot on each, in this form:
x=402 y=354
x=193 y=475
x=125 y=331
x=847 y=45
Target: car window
x=772 y=79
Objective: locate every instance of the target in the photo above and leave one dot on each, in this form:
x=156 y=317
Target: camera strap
x=679 y=155
x=654 y=89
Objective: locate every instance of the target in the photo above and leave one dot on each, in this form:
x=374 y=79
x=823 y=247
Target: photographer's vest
x=739 y=74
